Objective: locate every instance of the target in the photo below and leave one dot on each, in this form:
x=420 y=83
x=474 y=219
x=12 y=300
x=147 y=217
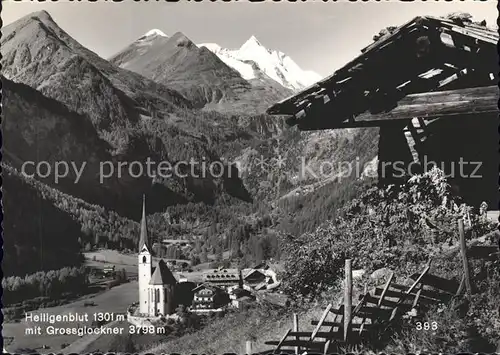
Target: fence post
x=463 y=250
x=248 y=347
x=296 y=329
x=347 y=297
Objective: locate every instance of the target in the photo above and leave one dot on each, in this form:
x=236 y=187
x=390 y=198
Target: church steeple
x=143 y=240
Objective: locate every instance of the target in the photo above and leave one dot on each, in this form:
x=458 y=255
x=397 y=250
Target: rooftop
x=427 y=54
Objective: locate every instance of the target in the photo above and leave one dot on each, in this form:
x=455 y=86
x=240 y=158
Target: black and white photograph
x=273 y=177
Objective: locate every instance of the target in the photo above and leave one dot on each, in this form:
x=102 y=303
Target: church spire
x=143 y=241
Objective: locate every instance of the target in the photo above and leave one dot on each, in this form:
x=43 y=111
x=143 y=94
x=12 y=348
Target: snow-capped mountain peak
x=252 y=42
x=252 y=60
x=154 y=32
x=213 y=47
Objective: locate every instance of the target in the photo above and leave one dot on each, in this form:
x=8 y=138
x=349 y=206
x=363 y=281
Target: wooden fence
x=377 y=310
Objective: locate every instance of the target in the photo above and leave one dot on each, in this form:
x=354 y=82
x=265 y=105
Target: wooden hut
x=430 y=86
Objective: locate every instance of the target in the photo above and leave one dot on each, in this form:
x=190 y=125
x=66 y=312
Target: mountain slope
x=138 y=117
x=37 y=236
x=197 y=73
x=252 y=60
x=37 y=52
x=38 y=129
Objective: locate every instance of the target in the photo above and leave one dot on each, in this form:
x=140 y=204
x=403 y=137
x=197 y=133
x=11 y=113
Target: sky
x=318 y=36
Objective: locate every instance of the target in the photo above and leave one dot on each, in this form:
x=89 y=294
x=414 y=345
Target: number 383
x=427 y=325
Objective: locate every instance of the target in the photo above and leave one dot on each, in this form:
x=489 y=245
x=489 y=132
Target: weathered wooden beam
x=424 y=295
x=428 y=295
x=417 y=297
x=381 y=302
x=418 y=279
x=440 y=104
x=320 y=323
x=386 y=287
x=445 y=285
x=301 y=343
x=465 y=262
x=481 y=251
x=461 y=287
x=347 y=297
x=278 y=347
x=335 y=324
x=322 y=335
x=296 y=329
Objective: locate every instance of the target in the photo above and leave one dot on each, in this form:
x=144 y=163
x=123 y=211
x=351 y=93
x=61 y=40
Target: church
x=156 y=285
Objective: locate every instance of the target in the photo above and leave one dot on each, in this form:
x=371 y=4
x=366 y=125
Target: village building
x=209 y=298
x=156 y=285
x=239 y=296
x=262 y=278
x=223 y=278
x=255 y=277
x=177 y=242
x=430 y=88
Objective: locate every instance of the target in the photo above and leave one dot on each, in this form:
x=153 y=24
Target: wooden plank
x=281 y=341
x=463 y=251
x=323 y=335
x=370 y=312
x=320 y=323
x=427 y=295
x=378 y=301
x=301 y=343
x=418 y=280
x=338 y=311
x=347 y=297
x=417 y=297
x=360 y=314
x=461 y=287
x=441 y=104
x=331 y=324
x=481 y=251
x=362 y=302
x=386 y=287
x=336 y=318
x=436 y=104
x=440 y=283
x=328 y=323
x=296 y=329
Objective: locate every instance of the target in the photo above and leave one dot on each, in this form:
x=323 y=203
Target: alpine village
x=260 y=258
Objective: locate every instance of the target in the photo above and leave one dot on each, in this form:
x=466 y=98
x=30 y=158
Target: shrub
x=399 y=227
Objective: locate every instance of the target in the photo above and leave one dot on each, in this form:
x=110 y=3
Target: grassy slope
x=229 y=334
x=477 y=328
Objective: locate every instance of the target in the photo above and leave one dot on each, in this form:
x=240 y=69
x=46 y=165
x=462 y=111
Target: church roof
x=143 y=240
x=162 y=275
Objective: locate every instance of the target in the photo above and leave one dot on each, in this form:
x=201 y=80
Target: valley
x=259 y=208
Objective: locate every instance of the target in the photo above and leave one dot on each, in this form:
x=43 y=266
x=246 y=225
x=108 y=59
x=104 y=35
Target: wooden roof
x=425 y=55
